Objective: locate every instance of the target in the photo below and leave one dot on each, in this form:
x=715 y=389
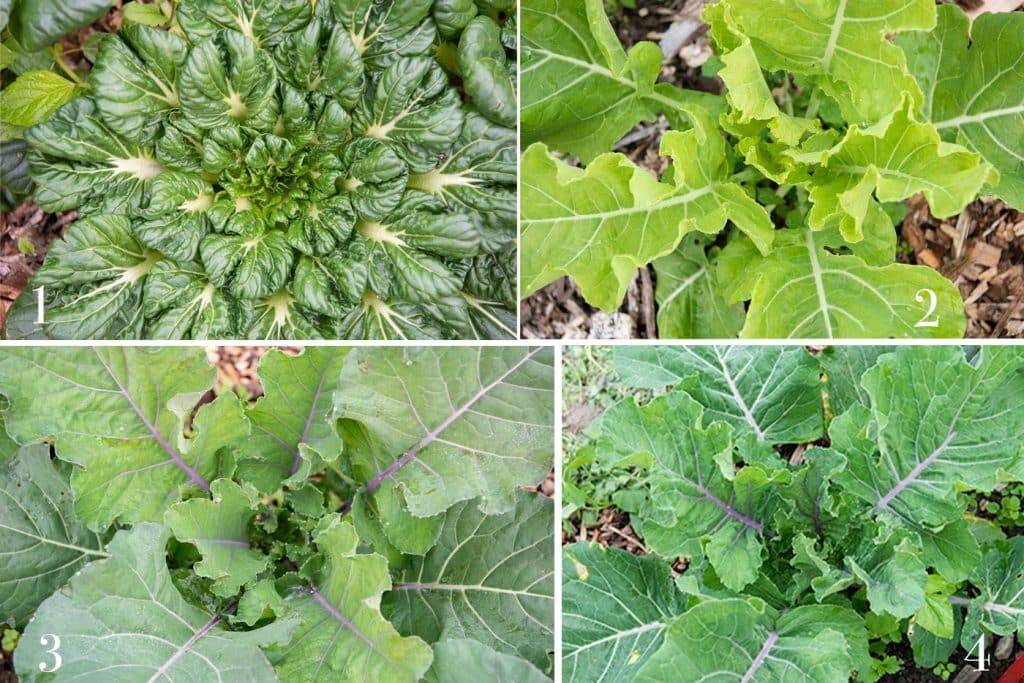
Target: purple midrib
x=761 y=656
x=730 y=511
x=173 y=454
x=374 y=483
x=341 y=619
x=309 y=422
x=884 y=501
x=226 y=541
x=180 y=652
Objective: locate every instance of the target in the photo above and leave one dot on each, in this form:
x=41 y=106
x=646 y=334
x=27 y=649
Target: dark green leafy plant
x=775 y=217
x=364 y=520
x=796 y=564
x=271 y=169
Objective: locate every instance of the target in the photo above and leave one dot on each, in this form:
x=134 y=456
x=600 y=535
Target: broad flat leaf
x=698 y=504
x=485 y=71
x=844 y=365
x=892 y=572
x=772 y=391
x=219 y=529
x=470 y=661
x=291 y=422
x=600 y=224
x=180 y=302
x=342 y=636
x=264 y=24
x=581 y=91
x=43 y=542
x=935 y=420
x=841 y=44
x=33 y=96
x=689 y=303
x=489 y=578
x=130 y=604
x=39 y=23
x=804 y=290
x=734 y=639
x=615 y=609
x=442 y=416
x=999 y=607
x=973 y=80
x=118 y=414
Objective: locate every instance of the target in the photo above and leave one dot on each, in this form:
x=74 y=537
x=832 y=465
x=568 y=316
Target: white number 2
x=57 y=660
x=982 y=659
x=933 y=301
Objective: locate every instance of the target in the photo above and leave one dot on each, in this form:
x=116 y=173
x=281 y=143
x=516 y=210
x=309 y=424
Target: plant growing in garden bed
x=775 y=218
x=821 y=502
x=363 y=520
x=286 y=169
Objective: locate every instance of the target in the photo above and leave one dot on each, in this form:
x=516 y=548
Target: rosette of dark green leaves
x=287 y=169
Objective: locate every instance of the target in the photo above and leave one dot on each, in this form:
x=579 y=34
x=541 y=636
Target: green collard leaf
x=740 y=639
x=805 y=290
x=130 y=604
x=600 y=224
x=489 y=578
x=973 y=83
x=689 y=303
x=135 y=461
x=219 y=529
x=581 y=90
x=344 y=636
x=34 y=96
x=44 y=542
x=843 y=367
x=443 y=416
x=893 y=575
x=892 y=161
x=485 y=73
x=999 y=607
x=841 y=45
x=773 y=392
x=292 y=422
x=470 y=661
x=40 y=23
x=899 y=468
x=600 y=645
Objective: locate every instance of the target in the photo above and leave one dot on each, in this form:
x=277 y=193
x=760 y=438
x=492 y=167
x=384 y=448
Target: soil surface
x=981 y=250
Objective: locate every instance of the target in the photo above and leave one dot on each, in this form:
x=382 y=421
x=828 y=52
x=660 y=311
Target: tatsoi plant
x=863 y=532
x=776 y=216
x=275 y=169
x=366 y=519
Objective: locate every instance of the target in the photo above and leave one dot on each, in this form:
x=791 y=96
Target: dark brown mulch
x=982 y=250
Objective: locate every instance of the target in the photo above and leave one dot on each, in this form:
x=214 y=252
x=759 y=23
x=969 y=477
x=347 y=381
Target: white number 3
x=57 y=660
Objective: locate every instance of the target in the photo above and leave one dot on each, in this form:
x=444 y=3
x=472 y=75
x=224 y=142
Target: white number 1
x=57 y=660
x=40 y=305
x=933 y=301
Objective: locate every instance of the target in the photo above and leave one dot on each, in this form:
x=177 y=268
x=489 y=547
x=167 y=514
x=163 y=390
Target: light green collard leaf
x=999 y=607
x=600 y=224
x=292 y=422
x=602 y=644
x=581 y=90
x=893 y=574
x=219 y=528
x=841 y=44
x=773 y=391
x=79 y=163
x=690 y=305
x=122 y=423
x=343 y=638
x=485 y=72
x=446 y=418
x=804 y=290
x=698 y=505
x=743 y=640
x=489 y=578
x=34 y=96
x=935 y=420
x=892 y=161
x=130 y=604
x=844 y=365
x=973 y=80
x=135 y=80
x=43 y=542
x=936 y=616
x=470 y=661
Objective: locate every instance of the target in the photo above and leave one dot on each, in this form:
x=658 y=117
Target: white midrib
x=819 y=283
x=50 y=541
x=747 y=415
x=656 y=206
x=463 y=588
x=967 y=119
x=619 y=635
x=683 y=286
x=833 y=37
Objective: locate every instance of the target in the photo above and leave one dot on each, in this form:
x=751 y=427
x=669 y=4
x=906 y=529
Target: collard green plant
x=371 y=517
x=286 y=169
x=788 y=558
x=775 y=217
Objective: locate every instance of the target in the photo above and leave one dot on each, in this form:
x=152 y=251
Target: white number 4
x=57 y=660
x=981 y=659
x=933 y=301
